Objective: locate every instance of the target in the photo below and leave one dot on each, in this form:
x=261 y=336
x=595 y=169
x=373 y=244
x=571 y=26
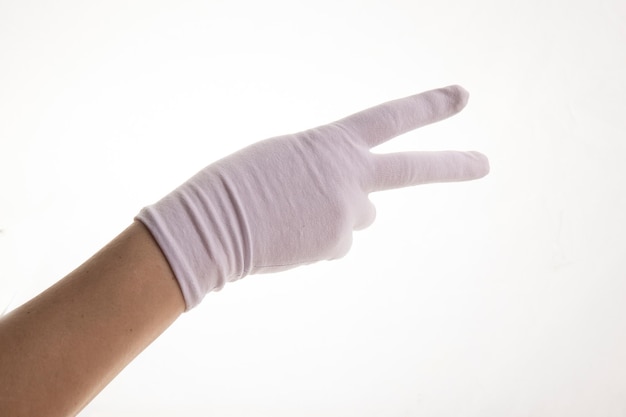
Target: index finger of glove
x=388 y=120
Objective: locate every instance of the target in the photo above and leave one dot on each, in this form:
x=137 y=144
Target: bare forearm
x=61 y=348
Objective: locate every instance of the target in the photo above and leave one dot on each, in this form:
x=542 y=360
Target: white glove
x=295 y=199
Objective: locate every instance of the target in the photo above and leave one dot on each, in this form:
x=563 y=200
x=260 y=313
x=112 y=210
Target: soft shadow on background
x=503 y=296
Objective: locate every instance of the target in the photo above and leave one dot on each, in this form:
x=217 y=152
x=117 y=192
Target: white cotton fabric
x=295 y=199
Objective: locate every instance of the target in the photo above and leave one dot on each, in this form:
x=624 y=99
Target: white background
x=504 y=296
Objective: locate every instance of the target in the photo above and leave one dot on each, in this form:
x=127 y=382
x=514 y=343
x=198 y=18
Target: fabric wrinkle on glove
x=296 y=199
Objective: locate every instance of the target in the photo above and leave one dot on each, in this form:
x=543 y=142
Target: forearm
x=60 y=349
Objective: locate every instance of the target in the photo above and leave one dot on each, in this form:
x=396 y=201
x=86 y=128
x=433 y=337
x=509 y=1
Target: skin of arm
x=60 y=349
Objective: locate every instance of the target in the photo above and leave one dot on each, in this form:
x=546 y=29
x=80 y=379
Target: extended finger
x=413 y=168
x=385 y=121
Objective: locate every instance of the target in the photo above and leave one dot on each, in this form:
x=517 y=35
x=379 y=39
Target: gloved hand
x=295 y=199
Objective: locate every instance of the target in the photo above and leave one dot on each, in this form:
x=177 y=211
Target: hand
x=295 y=199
